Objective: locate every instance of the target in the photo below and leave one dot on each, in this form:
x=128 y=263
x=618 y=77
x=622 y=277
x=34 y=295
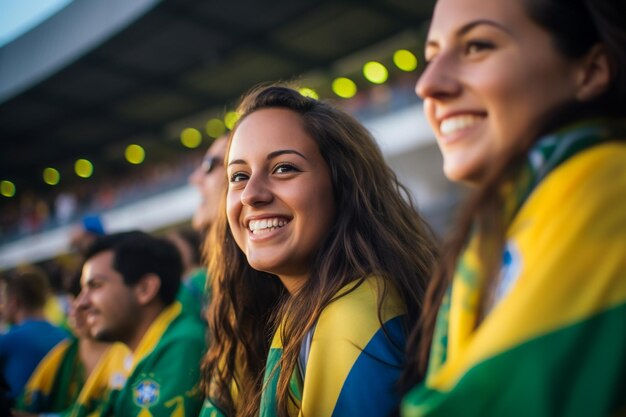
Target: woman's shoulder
x=578 y=213
x=354 y=362
x=596 y=172
x=589 y=185
x=355 y=312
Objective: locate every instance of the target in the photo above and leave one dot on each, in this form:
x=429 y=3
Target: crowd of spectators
x=30 y=212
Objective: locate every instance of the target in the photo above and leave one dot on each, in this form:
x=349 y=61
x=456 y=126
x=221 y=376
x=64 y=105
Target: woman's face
x=492 y=77
x=280 y=202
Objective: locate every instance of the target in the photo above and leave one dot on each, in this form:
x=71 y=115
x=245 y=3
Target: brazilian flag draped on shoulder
x=348 y=363
x=109 y=374
x=554 y=340
x=55 y=383
x=165 y=371
x=58 y=386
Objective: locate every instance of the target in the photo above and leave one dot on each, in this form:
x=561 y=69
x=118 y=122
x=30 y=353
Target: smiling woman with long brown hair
x=319 y=262
x=526 y=314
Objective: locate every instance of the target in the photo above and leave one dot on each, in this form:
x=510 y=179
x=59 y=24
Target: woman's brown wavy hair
x=377 y=231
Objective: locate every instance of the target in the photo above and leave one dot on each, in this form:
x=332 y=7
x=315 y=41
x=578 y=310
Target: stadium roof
x=102 y=74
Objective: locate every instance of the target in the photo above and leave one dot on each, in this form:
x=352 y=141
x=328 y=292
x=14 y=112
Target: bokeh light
x=344 y=87
x=215 y=128
x=191 y=138
x=309 y=92
x=83 y=168
x=135 y=154
x=405 y=60
x=230 y=119
x=51 y=176
x=375 y=72
x=7 y=188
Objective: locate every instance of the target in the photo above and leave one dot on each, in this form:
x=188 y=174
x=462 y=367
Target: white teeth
x=265 y=225
x=454 y=124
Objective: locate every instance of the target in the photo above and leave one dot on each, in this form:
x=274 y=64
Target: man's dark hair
x=136 y=254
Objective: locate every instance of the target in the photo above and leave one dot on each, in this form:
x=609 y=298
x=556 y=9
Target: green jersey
x=193 y=294
x=165 y=370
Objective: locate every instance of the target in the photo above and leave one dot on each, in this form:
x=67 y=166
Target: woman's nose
x=257 y=191
x=439 y=80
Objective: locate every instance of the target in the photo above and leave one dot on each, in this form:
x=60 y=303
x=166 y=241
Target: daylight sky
x=19 y=16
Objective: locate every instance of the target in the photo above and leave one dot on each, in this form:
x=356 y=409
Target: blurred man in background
x=31 y=336
x=129 y=284
x=192 y=294
x=77 y=372
x=210 y=180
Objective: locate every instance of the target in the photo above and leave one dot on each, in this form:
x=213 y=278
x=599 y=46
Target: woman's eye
x=474 y=47
x=238 y=177
x=284 y=168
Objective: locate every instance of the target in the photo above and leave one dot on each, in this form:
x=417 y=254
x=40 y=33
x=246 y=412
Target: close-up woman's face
x=492 y=76
x=280 y=203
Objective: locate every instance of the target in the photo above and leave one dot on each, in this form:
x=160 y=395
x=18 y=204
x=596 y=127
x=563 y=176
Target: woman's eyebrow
x=471 y=25
x=280 y=152
x=270 y=156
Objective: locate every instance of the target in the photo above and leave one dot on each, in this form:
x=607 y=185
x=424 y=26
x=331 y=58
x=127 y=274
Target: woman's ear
x=595 y=74
x=147 y=289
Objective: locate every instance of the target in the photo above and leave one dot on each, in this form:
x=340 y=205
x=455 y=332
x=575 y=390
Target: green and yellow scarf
x=554 y=341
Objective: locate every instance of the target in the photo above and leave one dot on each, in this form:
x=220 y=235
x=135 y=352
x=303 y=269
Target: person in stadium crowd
x=526 y=313
x=129 y=283
x=192 y=294
x=30 y=337
x=209 y=178
x=75 y=372
x=319 y=245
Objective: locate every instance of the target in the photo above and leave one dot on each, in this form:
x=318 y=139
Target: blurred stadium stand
x=102 y=74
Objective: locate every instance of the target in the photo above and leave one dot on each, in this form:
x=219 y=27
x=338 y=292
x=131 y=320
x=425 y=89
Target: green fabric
x=552 y=343
x=68 y=376
x=595 y=393
x=349 y=362
x=270 y=384
x=164 y=383
x=193 y=294
x=109 y=373
x=546 y=155
x=210 y=410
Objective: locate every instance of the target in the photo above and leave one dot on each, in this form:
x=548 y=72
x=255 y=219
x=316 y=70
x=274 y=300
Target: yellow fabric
x=319 y=399
x=44 y=375
x=53 y=311
x=574 y=217
x=110 y=373
x=155 y=332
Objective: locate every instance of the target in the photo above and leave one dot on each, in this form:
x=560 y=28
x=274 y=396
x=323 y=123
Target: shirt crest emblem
x=146 y=392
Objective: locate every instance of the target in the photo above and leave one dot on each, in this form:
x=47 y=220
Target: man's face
x=109 y=305
x=210 y=181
